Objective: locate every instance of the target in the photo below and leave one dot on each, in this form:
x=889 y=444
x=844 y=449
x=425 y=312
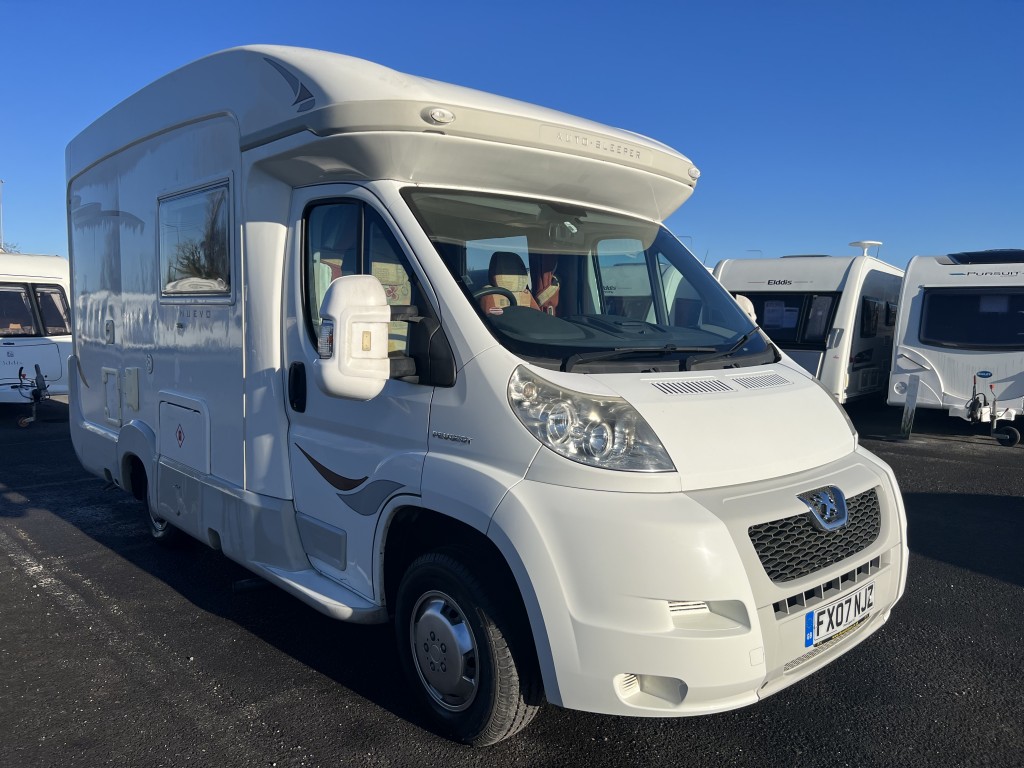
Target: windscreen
x=568 y=286
x=977 y=318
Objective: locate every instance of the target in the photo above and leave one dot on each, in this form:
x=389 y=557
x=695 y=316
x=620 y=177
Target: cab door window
x=351 y=238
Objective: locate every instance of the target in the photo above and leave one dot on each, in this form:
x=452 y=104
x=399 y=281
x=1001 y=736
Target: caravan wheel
x=1007 y=436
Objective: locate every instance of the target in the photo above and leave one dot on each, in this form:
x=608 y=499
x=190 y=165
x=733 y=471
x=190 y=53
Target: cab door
x=349 y=459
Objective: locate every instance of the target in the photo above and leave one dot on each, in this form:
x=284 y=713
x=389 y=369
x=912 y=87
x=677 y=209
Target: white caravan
x=35 y=327
x=834 y=315
x=382 y=340
x=960 y=338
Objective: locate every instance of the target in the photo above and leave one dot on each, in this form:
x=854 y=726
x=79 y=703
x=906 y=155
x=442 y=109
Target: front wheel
x=471 y=662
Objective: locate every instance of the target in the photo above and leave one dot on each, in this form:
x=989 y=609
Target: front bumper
x=659 y=604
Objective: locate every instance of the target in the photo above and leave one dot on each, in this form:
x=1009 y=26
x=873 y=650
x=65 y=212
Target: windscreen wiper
x=716 y=355
x=610 y=354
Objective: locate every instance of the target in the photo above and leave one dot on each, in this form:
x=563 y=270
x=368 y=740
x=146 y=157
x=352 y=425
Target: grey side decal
x=367 y=501
x=303 y=98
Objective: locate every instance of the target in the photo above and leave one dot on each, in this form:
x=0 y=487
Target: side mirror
x=353 y=343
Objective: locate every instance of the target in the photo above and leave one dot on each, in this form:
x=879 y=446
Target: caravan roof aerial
x=960 y=338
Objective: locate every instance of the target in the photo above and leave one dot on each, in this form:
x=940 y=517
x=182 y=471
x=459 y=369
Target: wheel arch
x=136 y=458
x=411 y=531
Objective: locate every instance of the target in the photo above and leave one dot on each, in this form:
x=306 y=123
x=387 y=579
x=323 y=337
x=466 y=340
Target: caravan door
x=349 y=459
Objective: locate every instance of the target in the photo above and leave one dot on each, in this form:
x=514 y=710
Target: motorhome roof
x=276 y=91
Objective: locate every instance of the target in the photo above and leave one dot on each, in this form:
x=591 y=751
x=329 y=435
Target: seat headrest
x=507 y=271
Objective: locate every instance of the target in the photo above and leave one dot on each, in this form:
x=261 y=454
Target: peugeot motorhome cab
x=421 y=354
x=834 y=315
x=35 y=327
x=960 y=338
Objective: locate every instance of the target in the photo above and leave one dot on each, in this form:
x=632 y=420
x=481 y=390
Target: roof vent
x=998 y=256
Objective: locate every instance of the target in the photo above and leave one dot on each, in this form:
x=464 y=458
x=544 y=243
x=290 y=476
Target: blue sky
x=813 y=123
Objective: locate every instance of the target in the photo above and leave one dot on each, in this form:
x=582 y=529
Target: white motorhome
x=960 y=338
x=35 y=327
x=418 y=353
x=834 y=315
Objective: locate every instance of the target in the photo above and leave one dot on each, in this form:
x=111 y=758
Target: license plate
x=829 y=620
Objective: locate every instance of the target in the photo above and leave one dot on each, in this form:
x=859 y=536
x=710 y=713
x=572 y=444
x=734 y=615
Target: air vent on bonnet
x=761 y=381
x=708 y=386
x=692 y=386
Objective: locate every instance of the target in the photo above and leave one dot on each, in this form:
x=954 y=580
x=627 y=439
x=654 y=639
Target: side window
x=870 y=313
x=15 y=311
x=349 y=238
x=195 y=239
x=332 y=250
x=53 y=307
x=890 y=313
x=386 y=261
x=817 y=320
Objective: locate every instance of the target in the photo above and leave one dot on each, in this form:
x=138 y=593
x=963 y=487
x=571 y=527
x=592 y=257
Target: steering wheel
x=491 y=289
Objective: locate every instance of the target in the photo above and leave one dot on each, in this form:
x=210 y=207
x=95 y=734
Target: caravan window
x=346 y=237
x=16 y=312
x=53 y=309
x=973 y=318
x=195 y=252
x=795 y=318
x=870 y=315
x=18 y=318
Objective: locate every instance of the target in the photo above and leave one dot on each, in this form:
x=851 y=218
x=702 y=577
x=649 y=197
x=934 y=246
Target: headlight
x=602 y=432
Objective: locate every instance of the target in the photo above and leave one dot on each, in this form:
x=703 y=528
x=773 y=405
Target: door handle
x=297 y=387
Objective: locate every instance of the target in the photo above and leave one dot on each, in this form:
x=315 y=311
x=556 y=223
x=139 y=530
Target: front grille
x=794 y=547
x=822 y=647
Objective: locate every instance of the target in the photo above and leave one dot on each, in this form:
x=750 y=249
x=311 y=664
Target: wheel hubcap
x=444 y=651
x=159 y=523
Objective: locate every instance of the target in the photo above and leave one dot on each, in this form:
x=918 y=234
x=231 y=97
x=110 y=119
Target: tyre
x=162 y=531
x=470 y=660
x=1007 y=436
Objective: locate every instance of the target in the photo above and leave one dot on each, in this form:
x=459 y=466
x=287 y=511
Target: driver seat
x=507 y=271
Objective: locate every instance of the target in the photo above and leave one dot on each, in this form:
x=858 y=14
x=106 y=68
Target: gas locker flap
x=185 y=434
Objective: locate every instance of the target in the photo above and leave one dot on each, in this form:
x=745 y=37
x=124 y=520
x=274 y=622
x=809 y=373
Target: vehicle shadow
x=44 y=477
x=972 y=531
x=875 y=419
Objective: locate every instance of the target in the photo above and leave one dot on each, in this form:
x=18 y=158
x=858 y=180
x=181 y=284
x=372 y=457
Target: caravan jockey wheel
x=1007 y=436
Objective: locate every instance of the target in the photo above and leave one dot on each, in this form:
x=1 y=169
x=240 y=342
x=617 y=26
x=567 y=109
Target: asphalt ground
x=116 y=651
